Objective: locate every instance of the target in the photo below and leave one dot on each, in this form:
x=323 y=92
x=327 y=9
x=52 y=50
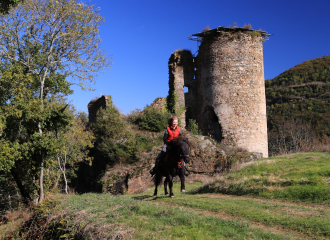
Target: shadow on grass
x=232 y=189
x=149 y=197
x=160 y=197
x=142 y=197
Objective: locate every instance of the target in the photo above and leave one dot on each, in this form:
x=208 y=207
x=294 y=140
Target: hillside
x=298 y=107
x=310 y=79
x=207 y=158
x=276 y=198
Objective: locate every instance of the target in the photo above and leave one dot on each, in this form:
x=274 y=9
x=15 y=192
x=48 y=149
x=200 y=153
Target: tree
x=75 y=143
x=6 y=5
x=49 y=41
x=54 y=39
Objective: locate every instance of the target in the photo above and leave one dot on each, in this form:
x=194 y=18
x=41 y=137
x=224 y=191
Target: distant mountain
x=301 y=93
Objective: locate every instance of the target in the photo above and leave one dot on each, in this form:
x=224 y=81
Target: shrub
x=109 y=130
x=152 y=119
x=115 y=139
x=133 y=115
x=193 y=127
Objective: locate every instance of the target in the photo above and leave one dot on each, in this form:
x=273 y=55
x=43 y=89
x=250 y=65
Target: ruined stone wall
x=159 y=103
x=95 y=105
x=181 y=70
x=191 y=103
x=231 y=92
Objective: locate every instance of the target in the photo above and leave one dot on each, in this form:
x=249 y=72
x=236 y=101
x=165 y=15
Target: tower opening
x=212 y=123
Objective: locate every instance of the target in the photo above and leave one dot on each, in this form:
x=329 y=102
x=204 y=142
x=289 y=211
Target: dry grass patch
x=240 y=166
x=12 y=221
x=312 y=158
x=273 y=188
x=301 y=212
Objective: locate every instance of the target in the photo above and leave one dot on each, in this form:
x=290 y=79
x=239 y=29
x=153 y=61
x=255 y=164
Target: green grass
x=300 y=177
x=103 y=216
x=290 y=194
x=152 y=221
x=301 y=219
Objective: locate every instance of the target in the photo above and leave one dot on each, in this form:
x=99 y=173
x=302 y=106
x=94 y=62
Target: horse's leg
x=182 y=178
x=155 y=192
x=170 y=183
x=157 y=180
x=165 y=186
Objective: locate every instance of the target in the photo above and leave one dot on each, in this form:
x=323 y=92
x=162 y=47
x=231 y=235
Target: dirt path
x=223 y=215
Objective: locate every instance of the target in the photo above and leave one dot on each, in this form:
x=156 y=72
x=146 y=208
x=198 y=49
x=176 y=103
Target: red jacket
x=172 y=133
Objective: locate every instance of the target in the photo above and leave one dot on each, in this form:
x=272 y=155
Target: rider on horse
x=172 y=131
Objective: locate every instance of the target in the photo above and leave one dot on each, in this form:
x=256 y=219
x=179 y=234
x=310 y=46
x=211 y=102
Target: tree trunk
x=25 y=195
x=66 y=183
x=41 y=177
x=41 y=180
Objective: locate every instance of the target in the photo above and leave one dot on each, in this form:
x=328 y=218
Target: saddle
x=164 y=160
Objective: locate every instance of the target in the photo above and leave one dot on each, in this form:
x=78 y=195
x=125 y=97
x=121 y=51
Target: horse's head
x=185 y=152
x=182 y=145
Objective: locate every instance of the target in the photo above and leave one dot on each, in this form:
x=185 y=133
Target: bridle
x=182 y=155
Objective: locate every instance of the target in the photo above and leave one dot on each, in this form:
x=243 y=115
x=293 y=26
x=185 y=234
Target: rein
x=178 y=158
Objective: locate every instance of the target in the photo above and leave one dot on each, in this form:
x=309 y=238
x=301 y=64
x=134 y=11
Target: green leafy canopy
x=45 y=47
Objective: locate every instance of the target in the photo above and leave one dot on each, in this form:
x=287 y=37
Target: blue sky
x=141 y=35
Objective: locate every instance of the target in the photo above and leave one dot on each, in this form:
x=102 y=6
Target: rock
x=200 y=137
x=213 y=149
x=257 y=155
x=192 y=153
x=206 y=143
x=222 y=153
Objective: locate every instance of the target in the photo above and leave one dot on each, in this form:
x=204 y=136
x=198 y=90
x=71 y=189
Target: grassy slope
x=301 y=178
x=290 y=192
x=276 y=198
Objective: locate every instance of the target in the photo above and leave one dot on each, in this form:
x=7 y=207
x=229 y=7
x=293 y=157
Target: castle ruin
x=95 y=105
x=226 y=86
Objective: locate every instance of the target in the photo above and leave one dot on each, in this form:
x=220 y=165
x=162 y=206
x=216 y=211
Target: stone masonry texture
x=159 y=103
x=226 y=89
x=180 y=71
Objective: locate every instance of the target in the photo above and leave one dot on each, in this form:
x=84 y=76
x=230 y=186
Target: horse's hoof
x=172 y=196
x=166 y=194
x=183 y=190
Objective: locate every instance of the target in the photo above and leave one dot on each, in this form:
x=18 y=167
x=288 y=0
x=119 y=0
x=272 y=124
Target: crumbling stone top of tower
x=211 y=32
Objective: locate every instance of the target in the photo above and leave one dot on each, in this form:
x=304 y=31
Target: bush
x=133 y=115
x=152 y=119
x=117 y=142
x=193 y=127
x=109 y=130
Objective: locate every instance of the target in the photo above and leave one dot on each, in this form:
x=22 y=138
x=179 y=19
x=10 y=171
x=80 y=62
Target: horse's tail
x=158 y=179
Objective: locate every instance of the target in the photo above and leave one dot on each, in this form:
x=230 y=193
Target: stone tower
x=226 y=95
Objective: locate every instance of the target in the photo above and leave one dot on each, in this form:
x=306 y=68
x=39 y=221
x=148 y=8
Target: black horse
x=173 y=164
